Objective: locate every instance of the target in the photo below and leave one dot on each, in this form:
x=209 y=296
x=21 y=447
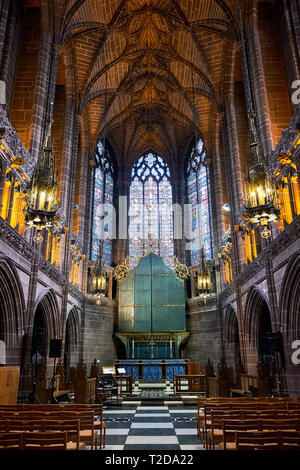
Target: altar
x=153 y=370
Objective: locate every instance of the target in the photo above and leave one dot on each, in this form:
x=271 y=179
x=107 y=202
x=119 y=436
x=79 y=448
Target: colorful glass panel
x=103 y=214
x=150 y=209
x=199 y=222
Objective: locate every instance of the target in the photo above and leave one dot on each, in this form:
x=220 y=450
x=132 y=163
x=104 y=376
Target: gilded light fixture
x=260 y=199
x=122 y=270
x=99 y=278
x=181 y=271
x=204 y=282
x=41 y=210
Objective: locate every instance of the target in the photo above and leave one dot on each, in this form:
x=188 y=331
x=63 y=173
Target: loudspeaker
x=263 y=346
x=55 y=348
x=38 y=338
x=275 y=342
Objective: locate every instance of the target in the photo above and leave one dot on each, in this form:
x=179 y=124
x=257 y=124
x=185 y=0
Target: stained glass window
x=199 y=219
x=102 y=207
x=150 y=209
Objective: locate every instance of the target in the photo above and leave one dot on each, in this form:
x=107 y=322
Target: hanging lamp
x=204 y=282
x=99 y=278
x=41 y=210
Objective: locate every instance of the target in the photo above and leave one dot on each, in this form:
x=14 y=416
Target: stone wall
x=98 y=329
x=203 y=323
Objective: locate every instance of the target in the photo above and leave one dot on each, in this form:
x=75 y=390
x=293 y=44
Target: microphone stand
x=32 y=396
x=53 y=400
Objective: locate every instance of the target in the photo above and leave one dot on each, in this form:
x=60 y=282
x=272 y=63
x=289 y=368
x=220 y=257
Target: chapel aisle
x=151 y=428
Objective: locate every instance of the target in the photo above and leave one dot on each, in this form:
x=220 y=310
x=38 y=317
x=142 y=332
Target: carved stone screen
x=151 y=299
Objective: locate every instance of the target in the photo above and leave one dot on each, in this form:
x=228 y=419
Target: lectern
x=107 y=386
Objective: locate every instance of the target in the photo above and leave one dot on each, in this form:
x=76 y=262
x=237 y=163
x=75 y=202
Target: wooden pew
x=99 y=423
x=255 y=424
x=215 y=434
x=267 y=440
x=84 y=387
x=45 y=440
x=235 y=404
x=11 y=441
x=88 y=434
x=201 y=402
x=18 y=424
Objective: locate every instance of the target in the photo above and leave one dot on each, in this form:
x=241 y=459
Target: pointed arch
x=12 y=303
x=198 y=217
x=150 y=207
x=257 y=315
x=103 y=213
x=72 y=338
x=289 y=302
x=47 y=304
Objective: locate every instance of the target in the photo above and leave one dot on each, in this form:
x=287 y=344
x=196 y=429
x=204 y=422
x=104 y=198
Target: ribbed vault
x=149 y=69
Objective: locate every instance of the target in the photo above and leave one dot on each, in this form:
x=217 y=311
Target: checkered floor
x=151 y=427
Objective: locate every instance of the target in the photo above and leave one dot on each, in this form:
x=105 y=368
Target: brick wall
x=26 y=69
x=274 y=70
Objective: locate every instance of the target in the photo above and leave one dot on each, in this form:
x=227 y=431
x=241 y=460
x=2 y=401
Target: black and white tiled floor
x=151 y=427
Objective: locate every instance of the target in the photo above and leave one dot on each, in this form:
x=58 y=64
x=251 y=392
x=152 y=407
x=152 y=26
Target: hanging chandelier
x=260 y=203
x=204 y=282
x=41 y=210
x=99 y=278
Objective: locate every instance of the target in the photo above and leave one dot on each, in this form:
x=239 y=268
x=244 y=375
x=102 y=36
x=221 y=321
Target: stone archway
x=12 y=307
x=232 y=337
x=46 y=315
x=289 y=305
x=72 y=339
x=257 y=324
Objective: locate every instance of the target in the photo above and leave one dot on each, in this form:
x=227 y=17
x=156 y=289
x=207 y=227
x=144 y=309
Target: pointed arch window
x=102 y=206
x=198 y=196
x=150 y=208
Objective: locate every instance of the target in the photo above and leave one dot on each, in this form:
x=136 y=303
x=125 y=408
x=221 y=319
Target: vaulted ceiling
x=146 y=71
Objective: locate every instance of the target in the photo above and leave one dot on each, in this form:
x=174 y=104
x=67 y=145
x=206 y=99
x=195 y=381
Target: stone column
x=216 y=181
x=40 y=106
x=178 y=193
x=235 y=192
x=257 y=77
x=10 y=50
x=4 y=9
x=68 y=176
x=3 y=170
x=121 y=244
x=84 y=201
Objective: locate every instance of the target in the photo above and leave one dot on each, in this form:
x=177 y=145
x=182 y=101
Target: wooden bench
x=254 y=424
x=11 y=440
x=215 y=434
x=37 y=409
x=190 y=384
x=72 y=427
x=88 y=434
x=45 y=441
x=267 y=440
x=34 y=441
x=234 y=404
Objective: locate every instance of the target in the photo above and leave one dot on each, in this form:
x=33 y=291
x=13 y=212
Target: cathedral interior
x=149 y=201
